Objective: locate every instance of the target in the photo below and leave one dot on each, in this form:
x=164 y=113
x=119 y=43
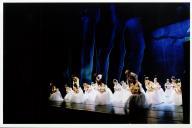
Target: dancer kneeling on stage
x=151 y=93
x=77 y=96
x=126 y=91
x=177 y=94
x=104 y=94
x=168 y=92
x=159 y=91
x=55 y=93
x=117 y=99
x=69 y=94
x=90 y=94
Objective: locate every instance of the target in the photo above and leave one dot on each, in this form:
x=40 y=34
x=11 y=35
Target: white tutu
x=152 y=97
x=169 y=95
x=89 y=97
x=103 y=98
x=126 y=95
x=77 y=97
x=68 y=96
x=126 y=91
x=56 y=96
x=95 y=86
x=177 y=98
x=110 y=94
x=117 y=99
x=160 y=95
x=124 y=85
x=159 y=92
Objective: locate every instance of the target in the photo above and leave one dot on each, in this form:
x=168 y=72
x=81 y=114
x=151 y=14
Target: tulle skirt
x=56 y=96
x=126 y=95
x=169 y=96
x=77 y=97
x=89 y=98
x=117 y=99
x=152 y=97
x=103 y=98
x=110 y=94
x=161 y=95
x=68 y=97
x=177 y=98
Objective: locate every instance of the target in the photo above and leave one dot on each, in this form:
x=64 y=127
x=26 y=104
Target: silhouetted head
x=127 y=73
x=86 y=87
x=52 y=82
x=115 y=81
x=122 y=82
x=155 y=79
x=68 y=89
x=75 y=80
x=146 y=80
x=178 y=80
x=173 y=79
x=98 y=79
x=75 y=88
x=132 y=78
x=167 y=81
x=53 y=88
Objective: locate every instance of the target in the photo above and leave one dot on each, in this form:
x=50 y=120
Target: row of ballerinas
x=99 y=93
x=172 y=94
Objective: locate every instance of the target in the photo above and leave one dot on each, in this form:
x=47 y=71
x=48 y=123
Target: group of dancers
x=126 y=94
x=172 y=94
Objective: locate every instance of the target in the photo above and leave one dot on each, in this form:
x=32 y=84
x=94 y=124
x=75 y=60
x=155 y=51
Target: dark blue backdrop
x=118 y=45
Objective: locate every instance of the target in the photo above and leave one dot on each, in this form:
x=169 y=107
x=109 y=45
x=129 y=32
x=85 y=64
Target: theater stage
x=62 y=112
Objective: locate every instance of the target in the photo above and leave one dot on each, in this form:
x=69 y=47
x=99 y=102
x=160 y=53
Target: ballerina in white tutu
x=151 y=93
x=177 y=94
x=77 y=95
x=95 y=85
x=69 y=94
x=124 y=85
x=117 y=99
x=90 y=94
x=168 y=92
x=159 y=91
x=55 y=94
x=126 y=91
x=104 y=94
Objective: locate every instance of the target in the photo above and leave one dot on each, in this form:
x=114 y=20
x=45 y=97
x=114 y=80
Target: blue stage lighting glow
x=177 y=30
x=168 y=50
x=135 y=39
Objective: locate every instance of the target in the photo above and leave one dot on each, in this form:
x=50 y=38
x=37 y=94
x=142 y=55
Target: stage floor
x=81 y=113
